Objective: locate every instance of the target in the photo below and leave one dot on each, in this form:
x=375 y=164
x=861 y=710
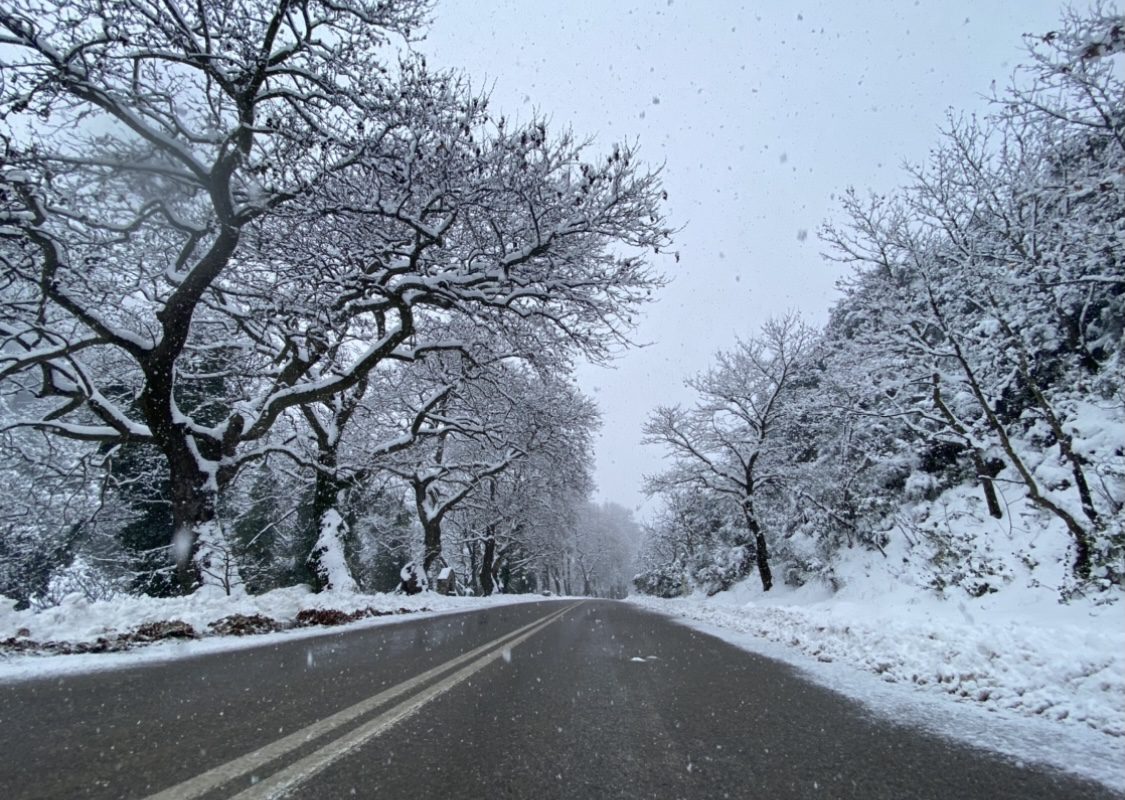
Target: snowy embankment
x=1059 y=671
x=1023 y=656
x=107 y=634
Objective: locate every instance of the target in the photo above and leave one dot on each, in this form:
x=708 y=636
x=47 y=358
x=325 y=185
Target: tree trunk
x=203 y=556
x=487 y=584
x=432 y=543
x=192 y=509
x=327 y=561
x=763 y=558
x=987 y=485
x=1082 y=538
x=327 y=489
x=761 y=554
x=1064 y=439
x=983 y=475
x=328 y=566
x=201 y=552
x=431 y=529
x=474 y=570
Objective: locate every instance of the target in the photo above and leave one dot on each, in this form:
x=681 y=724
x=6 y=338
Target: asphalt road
x=544 y=700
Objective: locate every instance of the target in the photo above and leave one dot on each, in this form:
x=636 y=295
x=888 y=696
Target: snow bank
x=959 y=611
x=1068 y=673
x=1077 y=749
x=78 y=620
x=909 y=616
x=1014 y=671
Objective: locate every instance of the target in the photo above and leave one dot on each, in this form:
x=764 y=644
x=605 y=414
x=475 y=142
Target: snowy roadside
x=1049 y=691
x=217 y=623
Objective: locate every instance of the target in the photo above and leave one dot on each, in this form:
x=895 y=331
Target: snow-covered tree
x=520 y=525
x=691 y=543
x=978 y=341
x=605 y=542
x=501 y=418
x=988 y=298
x=728 y=444
x=261 y=196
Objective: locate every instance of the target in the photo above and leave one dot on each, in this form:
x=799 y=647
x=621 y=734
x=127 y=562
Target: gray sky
x=761 y=113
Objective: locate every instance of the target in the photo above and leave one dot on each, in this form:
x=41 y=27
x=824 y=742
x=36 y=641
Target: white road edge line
x=224 y=773
x=284 y=781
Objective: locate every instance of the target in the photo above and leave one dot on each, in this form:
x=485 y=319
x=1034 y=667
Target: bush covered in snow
x=663 y=582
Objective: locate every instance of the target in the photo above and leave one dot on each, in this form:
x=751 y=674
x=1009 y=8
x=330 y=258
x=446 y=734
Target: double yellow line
x=284 y=780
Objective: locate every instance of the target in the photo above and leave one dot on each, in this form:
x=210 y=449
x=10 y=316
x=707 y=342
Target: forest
x=281 y=304
x=964 y=404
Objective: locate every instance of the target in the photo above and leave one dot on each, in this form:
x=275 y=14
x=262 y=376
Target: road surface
x=559 y=699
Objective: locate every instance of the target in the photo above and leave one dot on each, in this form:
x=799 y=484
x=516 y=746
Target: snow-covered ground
x=77 y=620
x=1015 y=671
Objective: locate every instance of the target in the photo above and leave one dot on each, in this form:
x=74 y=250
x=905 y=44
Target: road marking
x=284 y=781
x=224 y=773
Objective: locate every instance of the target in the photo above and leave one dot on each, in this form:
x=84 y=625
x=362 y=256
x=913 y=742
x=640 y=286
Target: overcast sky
x=762 y=113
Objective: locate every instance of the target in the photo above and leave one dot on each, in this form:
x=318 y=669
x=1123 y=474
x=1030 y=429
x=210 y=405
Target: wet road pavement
x=556 y=699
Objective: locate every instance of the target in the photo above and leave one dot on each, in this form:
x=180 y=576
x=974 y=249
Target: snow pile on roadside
x=1065 y=664
x=79 y=620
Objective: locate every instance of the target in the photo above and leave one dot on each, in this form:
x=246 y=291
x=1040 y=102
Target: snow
x=1014 y=671
x=412 y=571
x=213 y=557
x=967 y=625
x=78 y=620
x=329 y=553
